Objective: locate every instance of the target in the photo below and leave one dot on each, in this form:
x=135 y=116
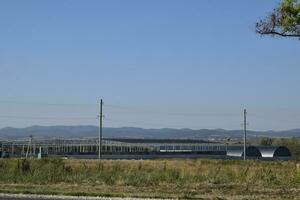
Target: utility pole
x=100 y=130
x=29 y=147
x=245 y=132
x=12 y=149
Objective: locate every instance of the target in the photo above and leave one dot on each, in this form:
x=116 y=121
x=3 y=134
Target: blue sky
x=191 y=64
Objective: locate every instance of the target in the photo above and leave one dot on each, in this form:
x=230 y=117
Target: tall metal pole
x=245 y=132
x=100 y=130
x=29 y=148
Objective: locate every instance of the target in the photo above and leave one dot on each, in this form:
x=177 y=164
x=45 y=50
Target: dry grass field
x=174 y=178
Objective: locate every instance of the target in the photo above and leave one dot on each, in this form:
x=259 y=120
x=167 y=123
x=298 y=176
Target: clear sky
x=156 y=63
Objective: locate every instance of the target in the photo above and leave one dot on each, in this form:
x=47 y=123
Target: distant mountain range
x=72 y=132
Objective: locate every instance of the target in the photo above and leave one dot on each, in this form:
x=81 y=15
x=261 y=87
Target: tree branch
x=278 y=33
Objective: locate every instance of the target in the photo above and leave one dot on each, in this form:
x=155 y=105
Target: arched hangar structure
x=238 y=151
x=274 y=151
x=260 y=152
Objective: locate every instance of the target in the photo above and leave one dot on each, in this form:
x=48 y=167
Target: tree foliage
x=284 y=21
x=266 y=141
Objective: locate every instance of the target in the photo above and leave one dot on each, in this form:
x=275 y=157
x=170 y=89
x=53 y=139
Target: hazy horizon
x=63 y=125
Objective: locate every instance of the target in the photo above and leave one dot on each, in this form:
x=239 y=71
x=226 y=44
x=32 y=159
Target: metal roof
x=274 y=151
x=259 y=151
x=238 y=151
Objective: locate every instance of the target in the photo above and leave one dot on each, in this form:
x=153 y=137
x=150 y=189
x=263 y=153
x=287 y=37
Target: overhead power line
x=122 y=108
x=44 y=103
x=146 y=111
x=139 y=123
x=41 y=117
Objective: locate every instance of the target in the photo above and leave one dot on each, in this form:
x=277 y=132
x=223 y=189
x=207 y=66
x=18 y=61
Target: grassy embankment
x=158 y=178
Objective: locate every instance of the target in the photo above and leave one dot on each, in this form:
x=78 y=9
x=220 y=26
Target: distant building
x=238 y=151
x=271 y=152
x=274 y=151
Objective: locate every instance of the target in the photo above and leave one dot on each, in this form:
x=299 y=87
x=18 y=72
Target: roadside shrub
x=297 y=174
x=25 y=166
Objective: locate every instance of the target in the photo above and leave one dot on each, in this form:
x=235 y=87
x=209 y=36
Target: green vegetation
x=157 y=178
x=284 y=21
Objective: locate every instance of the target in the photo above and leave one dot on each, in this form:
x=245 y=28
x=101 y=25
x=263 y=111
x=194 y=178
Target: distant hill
x=47 y=132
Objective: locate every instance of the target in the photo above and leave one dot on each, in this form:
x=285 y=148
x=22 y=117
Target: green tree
x=266 y=141
x=284 y=21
